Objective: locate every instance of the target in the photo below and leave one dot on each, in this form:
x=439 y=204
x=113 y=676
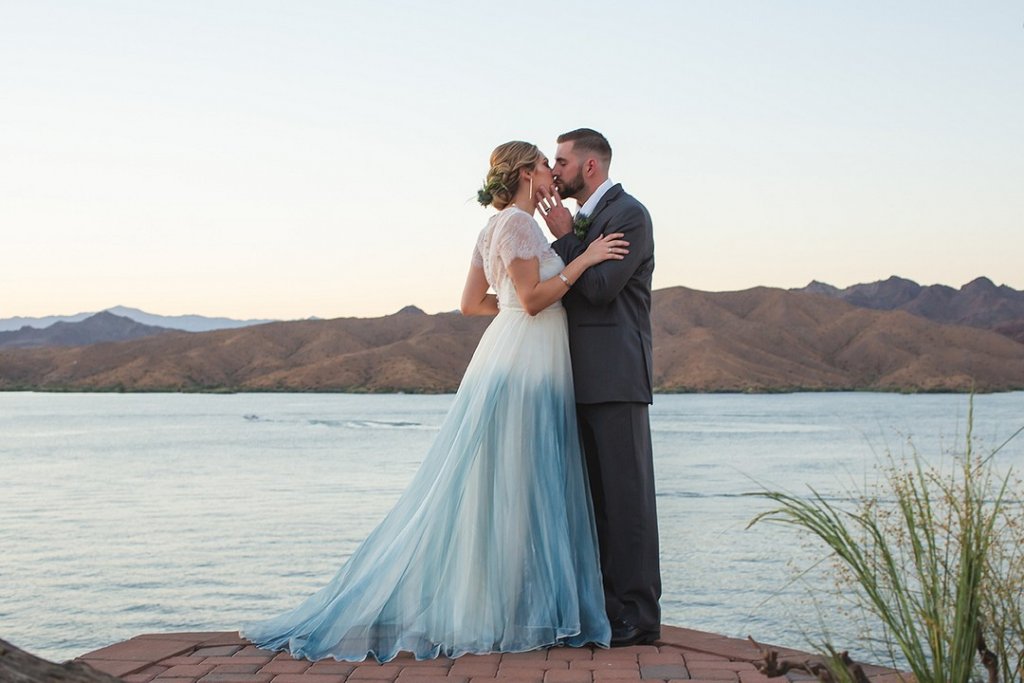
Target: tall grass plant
x=934 y=555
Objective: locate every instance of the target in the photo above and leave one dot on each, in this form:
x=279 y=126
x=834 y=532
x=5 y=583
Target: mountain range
x=99 y=327
x=189 y=323
x=758 y=340
x=979 y=303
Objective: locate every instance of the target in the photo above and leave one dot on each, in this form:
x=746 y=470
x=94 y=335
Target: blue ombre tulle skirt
x=492 y=548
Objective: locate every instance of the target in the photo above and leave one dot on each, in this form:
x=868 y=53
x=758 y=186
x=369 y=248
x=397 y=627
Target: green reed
x=935 y=556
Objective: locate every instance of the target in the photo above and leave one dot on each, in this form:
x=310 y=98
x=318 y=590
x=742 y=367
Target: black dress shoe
x=625 y=633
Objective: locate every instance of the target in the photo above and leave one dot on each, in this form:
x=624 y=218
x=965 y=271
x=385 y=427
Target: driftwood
x=18 y=666
x=772 y=667
x=988 y=658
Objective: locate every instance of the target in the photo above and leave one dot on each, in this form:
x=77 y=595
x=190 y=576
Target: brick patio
x=681 y=655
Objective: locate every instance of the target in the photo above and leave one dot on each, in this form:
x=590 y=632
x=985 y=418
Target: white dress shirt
x=591 y=203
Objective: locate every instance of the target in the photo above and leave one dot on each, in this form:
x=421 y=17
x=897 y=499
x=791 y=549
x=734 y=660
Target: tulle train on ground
x=492 y=547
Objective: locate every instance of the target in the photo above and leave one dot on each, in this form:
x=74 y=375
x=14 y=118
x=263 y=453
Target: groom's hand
x=556 y=215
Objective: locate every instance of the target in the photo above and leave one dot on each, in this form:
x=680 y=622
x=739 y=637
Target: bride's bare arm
x=535 y=294
x=475 y=299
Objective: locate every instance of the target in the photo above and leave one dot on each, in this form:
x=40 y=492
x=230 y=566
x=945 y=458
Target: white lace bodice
x=510 y=234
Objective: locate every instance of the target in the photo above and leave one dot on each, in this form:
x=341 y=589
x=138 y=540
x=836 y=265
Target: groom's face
x=568 y=170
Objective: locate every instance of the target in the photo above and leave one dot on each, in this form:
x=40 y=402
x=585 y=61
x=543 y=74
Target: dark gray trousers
x=616 y=441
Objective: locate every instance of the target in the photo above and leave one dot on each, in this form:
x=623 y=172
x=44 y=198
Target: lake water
x=123 y=514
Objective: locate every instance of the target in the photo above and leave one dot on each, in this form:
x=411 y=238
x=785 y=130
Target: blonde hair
x=502 y=180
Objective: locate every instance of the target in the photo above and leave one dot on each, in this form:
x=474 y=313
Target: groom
x=609 y=311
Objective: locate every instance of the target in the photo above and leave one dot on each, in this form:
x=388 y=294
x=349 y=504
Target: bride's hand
x=607 y=247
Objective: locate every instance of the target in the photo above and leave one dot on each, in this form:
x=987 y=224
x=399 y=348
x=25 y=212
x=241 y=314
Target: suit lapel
x=609 y=196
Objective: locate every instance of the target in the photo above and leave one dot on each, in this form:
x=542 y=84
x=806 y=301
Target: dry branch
x=18 y=666
x=771 y=666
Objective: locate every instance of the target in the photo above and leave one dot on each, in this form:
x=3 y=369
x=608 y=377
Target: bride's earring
x=531 y=187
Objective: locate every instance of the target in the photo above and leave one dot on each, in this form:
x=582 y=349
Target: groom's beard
x=570 y=187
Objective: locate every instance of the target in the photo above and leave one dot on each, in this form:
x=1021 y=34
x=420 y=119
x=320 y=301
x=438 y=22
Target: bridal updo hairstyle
x=503 y=177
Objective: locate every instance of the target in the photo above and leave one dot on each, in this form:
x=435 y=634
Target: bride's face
x=542 y=176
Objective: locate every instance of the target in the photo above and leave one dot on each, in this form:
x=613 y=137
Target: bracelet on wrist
x=563 y=278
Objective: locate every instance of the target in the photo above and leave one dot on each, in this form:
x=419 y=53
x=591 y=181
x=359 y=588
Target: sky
x=260 y=159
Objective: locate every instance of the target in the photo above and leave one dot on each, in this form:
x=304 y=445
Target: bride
x=492 y=547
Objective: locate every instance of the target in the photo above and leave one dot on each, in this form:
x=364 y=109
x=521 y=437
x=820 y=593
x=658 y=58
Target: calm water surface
x=136 y=513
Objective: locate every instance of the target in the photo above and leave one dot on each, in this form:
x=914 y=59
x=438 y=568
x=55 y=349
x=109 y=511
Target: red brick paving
x=681 y=656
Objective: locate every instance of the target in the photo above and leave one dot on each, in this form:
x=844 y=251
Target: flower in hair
x=485 y=195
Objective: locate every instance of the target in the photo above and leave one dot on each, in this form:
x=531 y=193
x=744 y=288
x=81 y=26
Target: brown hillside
x=1013 y=330
x=754 y=340
x=406 y=351
x=769 y=339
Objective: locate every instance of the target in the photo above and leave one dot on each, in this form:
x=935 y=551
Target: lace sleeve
x=521 y=238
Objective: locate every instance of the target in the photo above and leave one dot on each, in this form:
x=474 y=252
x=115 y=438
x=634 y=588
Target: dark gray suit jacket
x=609 y=307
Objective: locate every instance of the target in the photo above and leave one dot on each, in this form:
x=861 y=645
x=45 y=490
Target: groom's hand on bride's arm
x=557 y=216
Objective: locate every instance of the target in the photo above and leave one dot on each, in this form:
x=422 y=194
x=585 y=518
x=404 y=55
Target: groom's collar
x=588 y=206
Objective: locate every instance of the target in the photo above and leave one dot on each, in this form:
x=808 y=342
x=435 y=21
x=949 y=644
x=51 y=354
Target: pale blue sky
x=289 y=159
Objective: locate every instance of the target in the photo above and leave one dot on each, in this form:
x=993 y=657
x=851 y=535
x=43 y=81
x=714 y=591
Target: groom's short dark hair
x=588 y=140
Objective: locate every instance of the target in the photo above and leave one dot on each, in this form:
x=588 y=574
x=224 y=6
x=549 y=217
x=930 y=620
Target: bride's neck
x=524 y=202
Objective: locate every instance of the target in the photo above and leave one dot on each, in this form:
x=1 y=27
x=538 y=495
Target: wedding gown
x=492 y=547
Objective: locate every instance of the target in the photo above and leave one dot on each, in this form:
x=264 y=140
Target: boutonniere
x=581 y=224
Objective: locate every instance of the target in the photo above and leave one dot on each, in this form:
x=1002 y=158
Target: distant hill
x=979 y=303
x=1014 y=330
x=18 y=321
x=189 y=323
x=766 y=339
x=100 y=327
x=757 y=340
